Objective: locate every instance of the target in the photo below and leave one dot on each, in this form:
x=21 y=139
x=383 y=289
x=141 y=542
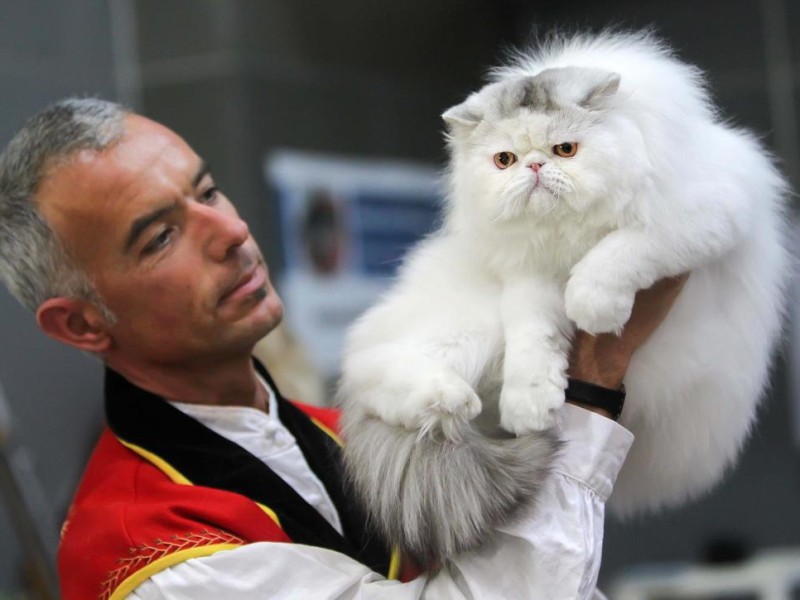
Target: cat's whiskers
x=514 y=200
x=552 y=208
x=558 y=184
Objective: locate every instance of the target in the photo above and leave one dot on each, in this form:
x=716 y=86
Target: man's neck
x=230 y=382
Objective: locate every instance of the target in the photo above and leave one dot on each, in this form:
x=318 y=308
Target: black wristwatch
x=596 y=395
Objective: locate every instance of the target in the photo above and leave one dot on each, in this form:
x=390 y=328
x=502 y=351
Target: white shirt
x=553 y=553
x=265 y=437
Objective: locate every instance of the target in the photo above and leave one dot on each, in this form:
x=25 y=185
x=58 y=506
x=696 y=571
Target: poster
x=345 y=226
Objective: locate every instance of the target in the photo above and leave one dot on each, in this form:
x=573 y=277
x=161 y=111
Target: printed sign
x=345 y=226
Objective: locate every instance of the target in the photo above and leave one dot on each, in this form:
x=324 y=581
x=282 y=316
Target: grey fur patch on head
x=433 y=496
x=548 y=91
x=578 y=86
x=534 y=93
x=557 y=89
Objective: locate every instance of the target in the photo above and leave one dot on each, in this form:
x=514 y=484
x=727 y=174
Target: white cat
x=590 y=168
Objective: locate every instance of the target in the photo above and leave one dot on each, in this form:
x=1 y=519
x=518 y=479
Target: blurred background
x=266 y=88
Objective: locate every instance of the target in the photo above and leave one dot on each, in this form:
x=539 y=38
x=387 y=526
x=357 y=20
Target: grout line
x=780 y=85
x=223 y=63
x=125 y=53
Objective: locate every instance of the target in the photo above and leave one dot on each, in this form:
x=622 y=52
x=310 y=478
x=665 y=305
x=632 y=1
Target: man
x=113 y=232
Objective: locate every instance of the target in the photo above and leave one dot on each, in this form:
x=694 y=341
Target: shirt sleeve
x=552 y=553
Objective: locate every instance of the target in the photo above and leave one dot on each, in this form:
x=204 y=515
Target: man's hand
x=604 y=359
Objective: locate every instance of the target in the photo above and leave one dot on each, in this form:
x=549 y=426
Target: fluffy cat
x=588 y=169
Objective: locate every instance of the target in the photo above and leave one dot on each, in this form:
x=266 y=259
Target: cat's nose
x=535 y=166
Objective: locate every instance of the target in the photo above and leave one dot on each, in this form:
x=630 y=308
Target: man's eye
x=159 y=242
x=210 y=195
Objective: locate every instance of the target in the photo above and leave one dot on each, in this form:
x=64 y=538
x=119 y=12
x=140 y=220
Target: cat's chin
x=541 y=204
x=534 y=205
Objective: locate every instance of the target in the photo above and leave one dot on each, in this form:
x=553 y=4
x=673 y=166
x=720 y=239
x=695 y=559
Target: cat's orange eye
x=503 y=160
x=566 y=150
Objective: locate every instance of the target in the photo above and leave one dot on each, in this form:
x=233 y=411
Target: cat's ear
x=602 y=85
x=462 y=118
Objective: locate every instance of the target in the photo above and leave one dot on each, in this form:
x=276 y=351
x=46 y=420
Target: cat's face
x=531 y=145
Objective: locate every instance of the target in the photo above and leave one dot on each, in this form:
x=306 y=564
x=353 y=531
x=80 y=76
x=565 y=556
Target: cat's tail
x=435 y=495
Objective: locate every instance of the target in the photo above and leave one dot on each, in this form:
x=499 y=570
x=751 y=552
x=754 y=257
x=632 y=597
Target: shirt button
x=282 y=440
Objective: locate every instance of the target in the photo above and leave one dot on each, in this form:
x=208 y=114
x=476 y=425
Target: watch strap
x=591 y=394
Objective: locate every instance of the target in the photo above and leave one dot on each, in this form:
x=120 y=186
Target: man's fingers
x=651 y=308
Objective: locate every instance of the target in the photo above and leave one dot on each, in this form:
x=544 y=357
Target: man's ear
x=76 y=323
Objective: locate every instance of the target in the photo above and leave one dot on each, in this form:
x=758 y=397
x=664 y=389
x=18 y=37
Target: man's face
x=164 y=247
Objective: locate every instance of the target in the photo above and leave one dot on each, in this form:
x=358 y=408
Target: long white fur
x=481 y=316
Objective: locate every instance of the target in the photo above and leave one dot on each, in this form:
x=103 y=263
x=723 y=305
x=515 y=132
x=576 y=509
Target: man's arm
x=552 y=552
x=603 y=359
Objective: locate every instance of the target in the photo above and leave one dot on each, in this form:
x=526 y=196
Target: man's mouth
x=251 y=281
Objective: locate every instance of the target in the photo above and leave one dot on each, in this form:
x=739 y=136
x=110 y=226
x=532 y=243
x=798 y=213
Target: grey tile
x=793 y=27
x=745 y=107
x=714 y=34
x=180 y=28
x=415 y=39
x=49 y=31
x=195 y=110
x=21 y=28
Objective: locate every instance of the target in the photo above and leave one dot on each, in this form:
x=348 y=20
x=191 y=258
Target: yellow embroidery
x=148 y=559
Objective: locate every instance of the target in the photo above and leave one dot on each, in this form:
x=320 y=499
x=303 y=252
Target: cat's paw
x=596 y=307
x=438 y=398
x=528 y=408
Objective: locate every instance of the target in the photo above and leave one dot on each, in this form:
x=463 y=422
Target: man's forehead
x=148 y=143
x=145 y=148
x=109 y=187
x=136 y=125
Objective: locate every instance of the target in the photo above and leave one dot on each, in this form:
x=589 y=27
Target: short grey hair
x=33 y=262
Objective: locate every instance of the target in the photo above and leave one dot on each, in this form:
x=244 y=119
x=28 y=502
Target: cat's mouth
x=541 y=199
x=532 y=198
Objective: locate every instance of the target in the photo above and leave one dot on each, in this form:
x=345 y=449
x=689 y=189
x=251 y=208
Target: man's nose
x=225 y=231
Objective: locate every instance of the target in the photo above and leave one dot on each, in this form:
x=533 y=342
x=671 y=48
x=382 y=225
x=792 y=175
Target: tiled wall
x=48 y=49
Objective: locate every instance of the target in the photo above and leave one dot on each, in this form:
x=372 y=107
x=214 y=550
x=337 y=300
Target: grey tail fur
x=435 y=495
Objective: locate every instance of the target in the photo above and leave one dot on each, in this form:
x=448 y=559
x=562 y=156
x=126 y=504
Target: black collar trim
x=205 y=458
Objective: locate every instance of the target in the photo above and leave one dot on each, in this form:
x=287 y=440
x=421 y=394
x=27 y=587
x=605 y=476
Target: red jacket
x=161 y=488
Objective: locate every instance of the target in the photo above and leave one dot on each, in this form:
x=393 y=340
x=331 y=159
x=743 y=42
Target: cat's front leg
x=699 y=227
x=599 y=296
x=537 y=336
x=603 y=284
